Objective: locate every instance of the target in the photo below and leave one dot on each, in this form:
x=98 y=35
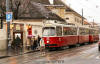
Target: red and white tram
x=58 y=35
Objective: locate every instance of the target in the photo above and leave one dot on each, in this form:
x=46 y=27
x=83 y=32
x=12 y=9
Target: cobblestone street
x=87 y=54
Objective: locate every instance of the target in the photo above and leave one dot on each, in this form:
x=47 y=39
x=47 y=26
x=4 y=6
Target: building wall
x=59 y=10
x=36 y=28
x=3 y=38
x=70 y=17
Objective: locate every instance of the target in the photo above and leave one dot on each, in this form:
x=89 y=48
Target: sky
x=91 y=8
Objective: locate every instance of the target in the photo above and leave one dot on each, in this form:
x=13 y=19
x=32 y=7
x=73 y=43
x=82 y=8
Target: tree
x=14 y=7
x=2 y=8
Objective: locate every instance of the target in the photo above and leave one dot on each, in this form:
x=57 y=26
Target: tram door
x=19 y=34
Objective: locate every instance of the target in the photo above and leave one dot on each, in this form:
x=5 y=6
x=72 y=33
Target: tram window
x=90 y=31
x=86 y=31
x=59 y=31
x=82 y=31
x=96 y=32
x=93 y=32
x=69 y=31
x=49 y=31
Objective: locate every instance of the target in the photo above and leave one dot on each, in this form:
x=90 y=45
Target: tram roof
x=63 y=25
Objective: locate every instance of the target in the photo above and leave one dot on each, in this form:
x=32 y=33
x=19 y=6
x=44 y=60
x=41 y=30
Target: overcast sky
x=91 y=8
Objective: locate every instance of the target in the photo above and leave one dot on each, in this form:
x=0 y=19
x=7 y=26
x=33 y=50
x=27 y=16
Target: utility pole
x=82 y=17
x=93 y=23
x=8 y=23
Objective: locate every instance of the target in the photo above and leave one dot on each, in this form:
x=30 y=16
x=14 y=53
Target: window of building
x=55 y=11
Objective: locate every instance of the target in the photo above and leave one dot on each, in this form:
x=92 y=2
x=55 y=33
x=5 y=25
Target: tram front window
x=49 y=31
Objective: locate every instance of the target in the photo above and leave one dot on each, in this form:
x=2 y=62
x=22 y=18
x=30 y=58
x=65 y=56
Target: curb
x=2 y=57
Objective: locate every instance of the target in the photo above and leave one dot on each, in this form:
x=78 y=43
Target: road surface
x=87 y=54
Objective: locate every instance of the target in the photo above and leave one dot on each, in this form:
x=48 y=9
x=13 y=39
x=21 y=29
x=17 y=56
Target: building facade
x=32 y=21
x=73 y=17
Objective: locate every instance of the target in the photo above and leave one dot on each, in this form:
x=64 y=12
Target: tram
x=59 y=35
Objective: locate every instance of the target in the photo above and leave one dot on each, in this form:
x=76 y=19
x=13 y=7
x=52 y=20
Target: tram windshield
x=49 y=31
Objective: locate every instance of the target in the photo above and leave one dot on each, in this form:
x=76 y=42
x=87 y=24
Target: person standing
x=28 y=43
x=17 y=42
x=32 y=42
x=42 y=46
x=35 y=45
x=38 y=40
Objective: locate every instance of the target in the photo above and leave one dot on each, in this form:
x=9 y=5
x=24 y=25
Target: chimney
x=51 y=1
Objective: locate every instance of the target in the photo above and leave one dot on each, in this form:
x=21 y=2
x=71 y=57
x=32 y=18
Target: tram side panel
x=70 y=40
x=91 y=40
x=96 y=38
x=83 y=39
x=54 y=41
x=96 y=35
x=70 y=36
x=83 y=35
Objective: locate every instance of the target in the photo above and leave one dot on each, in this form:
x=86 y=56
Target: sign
x=9 y=16
x=29 y=30
x=17 y=27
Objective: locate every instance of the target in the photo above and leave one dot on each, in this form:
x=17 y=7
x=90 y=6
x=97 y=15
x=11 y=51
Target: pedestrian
x=28 y=45
x=42 y=46
x=32 y=42
x=38 y=38
x=17 y=42
x=35 y=45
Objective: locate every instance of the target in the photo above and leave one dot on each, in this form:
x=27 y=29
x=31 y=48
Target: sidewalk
x=11 y=52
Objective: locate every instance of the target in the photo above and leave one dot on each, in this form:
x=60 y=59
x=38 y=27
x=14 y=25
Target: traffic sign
x=8 y=16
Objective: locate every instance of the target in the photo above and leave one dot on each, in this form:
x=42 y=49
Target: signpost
x=8 y=18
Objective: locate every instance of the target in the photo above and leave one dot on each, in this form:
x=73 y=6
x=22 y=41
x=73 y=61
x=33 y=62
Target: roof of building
x=47 y=2
x=93 y=23
x=35 y=10
x=86 y=23
x=69 y=9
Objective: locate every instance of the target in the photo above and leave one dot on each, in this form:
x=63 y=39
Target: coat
x=42 y=42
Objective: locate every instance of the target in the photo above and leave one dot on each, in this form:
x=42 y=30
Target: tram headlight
x=47 y=41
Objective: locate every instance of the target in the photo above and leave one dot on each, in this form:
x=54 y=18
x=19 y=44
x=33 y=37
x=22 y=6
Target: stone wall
x=3 y=38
